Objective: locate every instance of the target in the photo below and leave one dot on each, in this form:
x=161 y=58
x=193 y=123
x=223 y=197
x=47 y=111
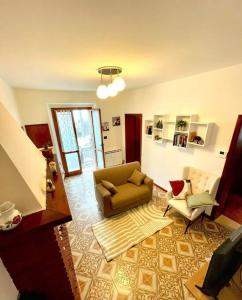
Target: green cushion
x=137 y=177
x=109 y=186
x=202 y=199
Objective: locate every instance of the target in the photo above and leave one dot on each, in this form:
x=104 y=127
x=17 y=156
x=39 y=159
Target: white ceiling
x=59 y=44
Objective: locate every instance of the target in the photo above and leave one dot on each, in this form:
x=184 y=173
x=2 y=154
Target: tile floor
x=155 y=269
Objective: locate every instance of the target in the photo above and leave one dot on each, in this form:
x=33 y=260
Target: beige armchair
x=201 y=181
x=128 y=196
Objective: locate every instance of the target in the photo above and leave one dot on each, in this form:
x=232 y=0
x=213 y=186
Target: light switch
x=223 y=153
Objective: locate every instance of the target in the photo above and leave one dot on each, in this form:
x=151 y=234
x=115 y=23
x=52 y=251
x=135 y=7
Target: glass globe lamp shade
x=112 y=91
x=102 y=91
x=119 y=83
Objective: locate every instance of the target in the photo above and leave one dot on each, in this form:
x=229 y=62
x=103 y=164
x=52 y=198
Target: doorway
x=79 y=137
x=229 y=193
x=133 y=137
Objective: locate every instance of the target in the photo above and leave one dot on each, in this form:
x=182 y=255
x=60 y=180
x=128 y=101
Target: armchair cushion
x=180 y=188
x=201 y=199
x=109 y=186
x=137 y=177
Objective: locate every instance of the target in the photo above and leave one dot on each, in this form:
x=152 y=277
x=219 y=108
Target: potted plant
x=181 y=125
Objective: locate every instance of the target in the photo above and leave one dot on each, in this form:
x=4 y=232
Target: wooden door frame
x=100 y=120
x=63 y=159
x=132 y=114
x=228 y=171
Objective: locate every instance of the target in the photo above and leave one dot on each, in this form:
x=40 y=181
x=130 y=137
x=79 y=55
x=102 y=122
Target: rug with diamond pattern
x=154 y=269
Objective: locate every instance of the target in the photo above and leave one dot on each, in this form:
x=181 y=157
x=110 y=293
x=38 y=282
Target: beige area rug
x=119 y=233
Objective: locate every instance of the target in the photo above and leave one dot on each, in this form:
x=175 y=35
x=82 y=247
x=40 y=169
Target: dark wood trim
x=160 y=187
x=78 y=150
x=229 y=171
x=100 y=120
x=135 y=115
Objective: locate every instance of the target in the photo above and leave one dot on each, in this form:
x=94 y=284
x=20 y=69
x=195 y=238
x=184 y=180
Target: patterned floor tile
x=150 y=242
x=84 y=285
x=147 y=280
x=131 y=255
x=155 y=269
x=126 y=275
x=100 y=289
x=107 y=269
x=184 y=248
x=168 y=263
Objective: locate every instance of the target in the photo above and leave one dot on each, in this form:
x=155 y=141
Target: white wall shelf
x=188 y=133
x=148 y=127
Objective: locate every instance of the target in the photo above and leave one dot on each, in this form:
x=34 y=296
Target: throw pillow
x=201 y=199
x=109 y=186
x=137 y=178
x=181 y=188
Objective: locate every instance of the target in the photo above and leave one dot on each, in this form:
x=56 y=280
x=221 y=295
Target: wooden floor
x=228 y=293
x=234 y=209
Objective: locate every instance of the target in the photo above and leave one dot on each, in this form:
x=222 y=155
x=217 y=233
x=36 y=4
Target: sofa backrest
x=202 y=181
x=118 y=175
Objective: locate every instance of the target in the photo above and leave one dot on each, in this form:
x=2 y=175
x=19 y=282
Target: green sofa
x=128 y=196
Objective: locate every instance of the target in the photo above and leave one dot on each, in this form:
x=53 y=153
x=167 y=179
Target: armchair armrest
x=103 y=197
x=197 y=212
x=148 y=181
x=169 y=195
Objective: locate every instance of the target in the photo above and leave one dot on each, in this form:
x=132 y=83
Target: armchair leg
x=188 y=224
x=168 y=207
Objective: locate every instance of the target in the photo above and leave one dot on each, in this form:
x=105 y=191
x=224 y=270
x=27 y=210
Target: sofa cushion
x=129 y=193
x=137 y=177
x=109 y=186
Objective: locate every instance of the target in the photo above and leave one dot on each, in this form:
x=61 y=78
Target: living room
x=180 y=61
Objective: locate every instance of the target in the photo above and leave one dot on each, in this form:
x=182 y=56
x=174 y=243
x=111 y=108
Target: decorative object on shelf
x=50 y=187
x=105 y=126
x=116 y=121
x=149 y=130
x=198 y=140
x=157 y=137
x=114 y=85
x=181 y=125
x=47 y=152
x=193 y=134
x=159 y=124
x=9 y=216
x=180 y=140
x=53 y=169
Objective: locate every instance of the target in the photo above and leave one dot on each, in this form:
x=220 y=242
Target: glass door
x=67 y=140
x=98 y=139
x=85 y=138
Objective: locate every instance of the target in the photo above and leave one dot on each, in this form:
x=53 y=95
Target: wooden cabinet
x=37 y=253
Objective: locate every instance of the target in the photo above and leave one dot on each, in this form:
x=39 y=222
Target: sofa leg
x=168 y=207
x=189 y=223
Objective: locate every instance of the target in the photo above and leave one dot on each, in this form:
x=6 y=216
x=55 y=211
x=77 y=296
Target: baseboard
x=160 y=187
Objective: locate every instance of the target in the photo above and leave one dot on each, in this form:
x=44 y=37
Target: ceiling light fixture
x=115 y=82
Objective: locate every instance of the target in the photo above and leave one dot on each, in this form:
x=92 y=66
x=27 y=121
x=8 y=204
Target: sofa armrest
x=148 y=181
x=103 y=197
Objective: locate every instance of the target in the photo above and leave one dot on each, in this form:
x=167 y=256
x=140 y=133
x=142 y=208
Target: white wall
x=7 y=98
x=33 y=107
x=7 y=289
x=215 y=96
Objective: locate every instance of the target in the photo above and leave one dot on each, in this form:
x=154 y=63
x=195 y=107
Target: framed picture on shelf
x=105 y=126
x=116 y=121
